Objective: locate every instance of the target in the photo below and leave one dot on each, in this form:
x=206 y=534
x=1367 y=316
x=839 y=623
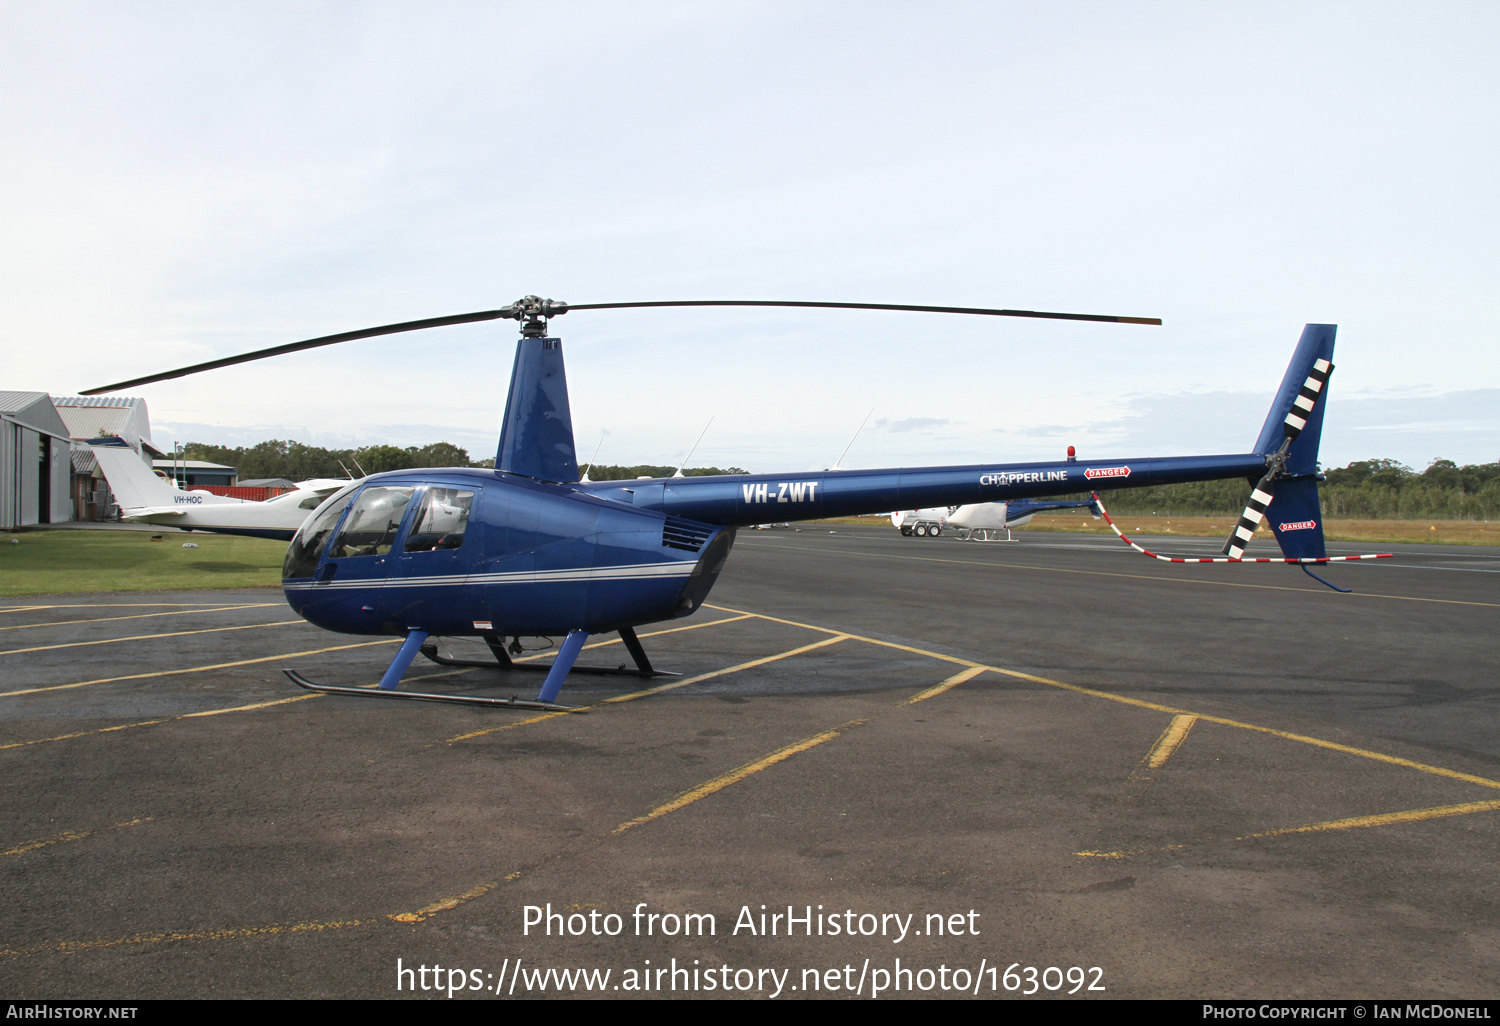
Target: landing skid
x=557 y=672
x=503 y=660
x=416 y=696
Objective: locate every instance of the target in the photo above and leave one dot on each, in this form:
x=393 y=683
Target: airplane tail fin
x=1289 y=441
x=136 y=485
x=133 y=482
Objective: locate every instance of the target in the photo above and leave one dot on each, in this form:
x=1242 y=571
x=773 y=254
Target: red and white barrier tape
x=1227 y=559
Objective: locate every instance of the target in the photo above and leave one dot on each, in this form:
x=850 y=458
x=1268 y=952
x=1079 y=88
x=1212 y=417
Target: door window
x=441 y=521
x=370 y=529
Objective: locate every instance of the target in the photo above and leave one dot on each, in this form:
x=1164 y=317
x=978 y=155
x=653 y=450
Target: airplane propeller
x=533 y=312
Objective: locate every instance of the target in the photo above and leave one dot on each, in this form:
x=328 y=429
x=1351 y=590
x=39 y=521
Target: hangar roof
x=33 y=410
x=89 y=416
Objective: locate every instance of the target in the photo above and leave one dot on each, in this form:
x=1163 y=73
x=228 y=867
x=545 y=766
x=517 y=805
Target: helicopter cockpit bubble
x=307 y=547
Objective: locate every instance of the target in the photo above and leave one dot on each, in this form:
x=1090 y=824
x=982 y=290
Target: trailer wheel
x=934 y=531
x=921 y=530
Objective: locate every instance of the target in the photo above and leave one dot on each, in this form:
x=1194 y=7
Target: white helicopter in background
x=981 y=521
x=145 y=498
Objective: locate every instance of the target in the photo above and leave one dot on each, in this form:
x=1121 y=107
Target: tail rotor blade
x=1255 y=513
x=1265 y=489
x=1307 y=398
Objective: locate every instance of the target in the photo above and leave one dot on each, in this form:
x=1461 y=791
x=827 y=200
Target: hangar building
x=34 y=462
x=89 y=416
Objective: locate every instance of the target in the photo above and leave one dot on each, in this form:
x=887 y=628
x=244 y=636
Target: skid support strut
x=402 y=662
x=503 y=661
x=399 y=666
x=561 y=665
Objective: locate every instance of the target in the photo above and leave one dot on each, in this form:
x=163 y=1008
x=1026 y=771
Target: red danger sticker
x=1094 y=472
x=1301 y=525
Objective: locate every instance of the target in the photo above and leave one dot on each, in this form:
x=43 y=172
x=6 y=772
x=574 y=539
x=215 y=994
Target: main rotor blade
x=547 y=308
x=875 y=306
x=295 y=347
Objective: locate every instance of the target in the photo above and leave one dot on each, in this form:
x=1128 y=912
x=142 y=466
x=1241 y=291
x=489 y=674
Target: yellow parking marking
x=1142 y=777
x=63 y=838
x=1414 y=816
x=67 y=947
x=652 y=634
x=444 y=904
x=1170 y=740
x=200 y=669
x=1140 y=577
x=166 y=719
x=952 y=682
x=133 y=616
x=1142 y=704
x=656 y=690
x=149 y=637
x=1128 y=852
x=207 y=712
x=734 y=776
x=646 y=692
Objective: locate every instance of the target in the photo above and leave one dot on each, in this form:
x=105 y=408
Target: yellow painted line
x=674 y=685
x=1127 y=853
x=656 y=690
x=149 y=637
x=63 y=838
x=1414 y=816
x=201 y=669
x=952 y=682
x=207 y=712
x=734 y=776
x=444 y=904
x=1140 y=577
x=1170 y=740
x=1141 y=704
x=652 y=634
x=151 y=723
x=68 y=947
x=133 y=616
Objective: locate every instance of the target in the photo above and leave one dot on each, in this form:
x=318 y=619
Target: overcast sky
x=185 y=180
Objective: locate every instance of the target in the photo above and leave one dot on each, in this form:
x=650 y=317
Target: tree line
x=295 y=461
x=1366 y=489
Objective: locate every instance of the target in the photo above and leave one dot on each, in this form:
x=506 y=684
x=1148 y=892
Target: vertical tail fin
x=1287 y=496
x=536 y=436
x=135 y=485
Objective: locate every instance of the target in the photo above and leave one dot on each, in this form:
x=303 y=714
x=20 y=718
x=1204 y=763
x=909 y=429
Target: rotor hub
x=533 y=313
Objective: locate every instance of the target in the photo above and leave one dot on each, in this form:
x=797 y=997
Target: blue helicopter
x=527 y=550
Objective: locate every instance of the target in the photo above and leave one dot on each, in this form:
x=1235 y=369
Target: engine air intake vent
x=684 y=534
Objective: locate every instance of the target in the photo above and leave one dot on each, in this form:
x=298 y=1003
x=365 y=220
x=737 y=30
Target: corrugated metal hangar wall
x=34 y=461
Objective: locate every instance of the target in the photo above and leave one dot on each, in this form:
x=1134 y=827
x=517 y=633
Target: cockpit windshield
x=307 y=546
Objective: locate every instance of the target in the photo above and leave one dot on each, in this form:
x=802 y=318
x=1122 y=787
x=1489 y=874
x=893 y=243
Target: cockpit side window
x=371 y=526
x=442 y=520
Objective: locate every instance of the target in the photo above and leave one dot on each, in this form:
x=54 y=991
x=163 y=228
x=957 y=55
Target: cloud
x=910 y=424
x=1411 y=427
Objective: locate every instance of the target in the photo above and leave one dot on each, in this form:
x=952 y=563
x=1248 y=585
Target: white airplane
x=146 y=498
x=978 y=522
